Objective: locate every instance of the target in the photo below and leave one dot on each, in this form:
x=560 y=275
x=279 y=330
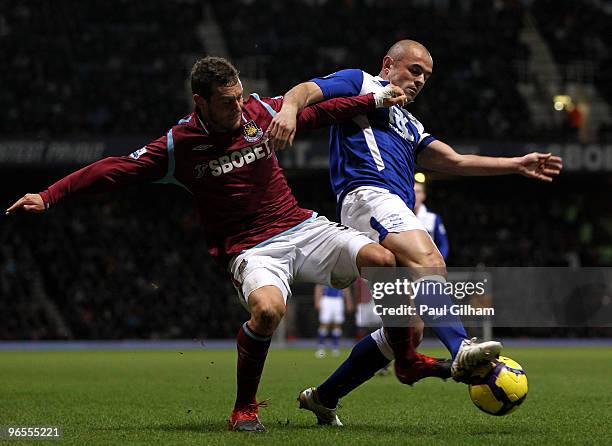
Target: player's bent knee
x=387 y=258
x=269 y=317
x=374 y=254
x=267 y=307
x=433 y=259
x=268 y=311
x=427 y=263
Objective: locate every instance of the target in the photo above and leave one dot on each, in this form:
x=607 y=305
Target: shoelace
x=250 y=410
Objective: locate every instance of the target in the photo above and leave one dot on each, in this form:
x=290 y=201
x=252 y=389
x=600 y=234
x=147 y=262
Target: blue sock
x=448 y=328
x=322 y=337
x=335 y=337
x=363 y=362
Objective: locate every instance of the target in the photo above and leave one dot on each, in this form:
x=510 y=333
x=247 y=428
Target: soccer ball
x=499 y=388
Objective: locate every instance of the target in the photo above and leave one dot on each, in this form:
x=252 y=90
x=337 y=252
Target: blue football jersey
x=435 y=227
x=378 y=149
x=332 y=292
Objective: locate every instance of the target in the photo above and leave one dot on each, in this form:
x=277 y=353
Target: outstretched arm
x=283 y=127
x=342 y=83
x=146 y=164
x=441 y=157
x=340 y=109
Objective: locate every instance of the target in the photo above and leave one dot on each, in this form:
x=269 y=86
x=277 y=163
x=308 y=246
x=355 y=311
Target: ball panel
x=483 y=398
x=511 y=363
x=500 y=387
x=510 y=385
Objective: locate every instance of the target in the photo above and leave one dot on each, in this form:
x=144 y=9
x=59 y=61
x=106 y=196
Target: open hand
x=541 y=166
x=29 y=203
x=282 y=129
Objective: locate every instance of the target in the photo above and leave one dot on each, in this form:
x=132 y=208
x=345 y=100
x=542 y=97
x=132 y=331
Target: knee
x=386 y=258
x=376 y=255
x=432 y=258
x=267 y=315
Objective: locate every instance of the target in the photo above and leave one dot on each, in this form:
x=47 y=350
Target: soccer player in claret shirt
x=252 y=223
x=372 y=159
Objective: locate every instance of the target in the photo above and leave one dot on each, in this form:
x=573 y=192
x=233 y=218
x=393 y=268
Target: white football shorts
x=332 y=310
x=376 y=212
x=317 y=250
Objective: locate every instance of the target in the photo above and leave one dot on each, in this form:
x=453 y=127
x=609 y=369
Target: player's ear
x=198 y=100
x=386 y=64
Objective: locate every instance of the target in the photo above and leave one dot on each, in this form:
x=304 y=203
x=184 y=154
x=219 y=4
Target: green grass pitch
x=171 y=397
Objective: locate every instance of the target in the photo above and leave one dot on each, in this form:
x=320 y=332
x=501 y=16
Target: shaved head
x=403 y=48
x=408 y=65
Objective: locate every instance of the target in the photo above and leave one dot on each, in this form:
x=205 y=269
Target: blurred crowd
x=107 y=67
x=127 y=265
x=133 y=264
x=120 y=67
x=475 y=46
x=576 y=34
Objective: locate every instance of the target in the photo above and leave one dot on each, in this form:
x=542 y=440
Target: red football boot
x=245 y=419
x=422 y=366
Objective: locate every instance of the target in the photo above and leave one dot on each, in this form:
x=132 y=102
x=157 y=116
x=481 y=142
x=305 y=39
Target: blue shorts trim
x=378 y=227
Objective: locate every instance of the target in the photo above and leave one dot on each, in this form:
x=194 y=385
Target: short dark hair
x=209 y=72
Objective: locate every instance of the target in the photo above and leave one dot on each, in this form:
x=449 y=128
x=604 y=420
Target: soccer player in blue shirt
x=372 y=161
x=431 y=220
x=331 y=303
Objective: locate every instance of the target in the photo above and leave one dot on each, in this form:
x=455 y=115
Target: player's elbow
x=458 y=164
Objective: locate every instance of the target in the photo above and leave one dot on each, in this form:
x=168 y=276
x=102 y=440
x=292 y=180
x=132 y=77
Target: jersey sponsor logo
x=399 y=123
x=135 y=155
x=252 y=132
x=235 y=160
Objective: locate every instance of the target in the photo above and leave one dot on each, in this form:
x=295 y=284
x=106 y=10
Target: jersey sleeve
x=341 y=83
x=440 y=237
x=424 y=138
x=144 y=165
x=272 y=105
x=334 y=110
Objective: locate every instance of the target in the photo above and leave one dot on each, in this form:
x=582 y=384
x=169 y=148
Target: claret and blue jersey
x=376 y=149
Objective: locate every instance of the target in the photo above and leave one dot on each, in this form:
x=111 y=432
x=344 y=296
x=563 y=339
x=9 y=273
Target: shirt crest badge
x=252 y=132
